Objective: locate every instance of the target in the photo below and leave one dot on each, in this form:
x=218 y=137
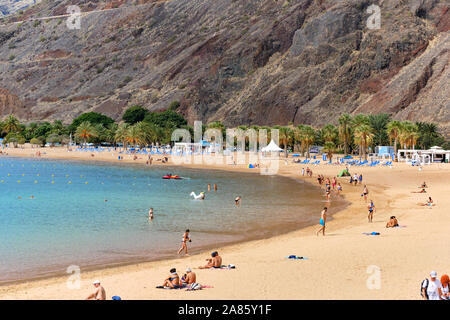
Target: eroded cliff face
x=238 y=61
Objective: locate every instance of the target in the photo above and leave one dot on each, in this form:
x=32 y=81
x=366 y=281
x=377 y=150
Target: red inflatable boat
x=171 y=177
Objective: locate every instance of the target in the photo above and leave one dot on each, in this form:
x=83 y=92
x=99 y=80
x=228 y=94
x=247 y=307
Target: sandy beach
x=339 y=265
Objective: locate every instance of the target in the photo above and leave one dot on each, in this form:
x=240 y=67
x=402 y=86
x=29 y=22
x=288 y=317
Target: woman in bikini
x=173 y=281
x=371 y=207
x=183 y=242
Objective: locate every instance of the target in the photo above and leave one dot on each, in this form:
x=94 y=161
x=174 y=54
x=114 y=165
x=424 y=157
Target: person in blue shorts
x=323 y=220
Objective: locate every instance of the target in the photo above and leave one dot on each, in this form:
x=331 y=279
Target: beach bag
x=195 y=286
x=424 y=285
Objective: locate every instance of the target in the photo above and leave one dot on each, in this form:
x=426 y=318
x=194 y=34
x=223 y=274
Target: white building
x=434 y=154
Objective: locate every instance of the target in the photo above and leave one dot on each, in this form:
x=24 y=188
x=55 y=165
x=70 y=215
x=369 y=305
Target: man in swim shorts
x=99 y=292
x=214 y=262
x=237 y=201
x=323 y=219
x=190 y=277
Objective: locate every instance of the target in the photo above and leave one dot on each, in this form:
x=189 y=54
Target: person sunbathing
x=173 y=281
x=215 y=262
x=393 y=222
x=429 y=203
x=421 y=191
x=190 y=277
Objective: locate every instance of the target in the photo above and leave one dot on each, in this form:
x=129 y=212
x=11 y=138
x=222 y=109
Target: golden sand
x=338 y=263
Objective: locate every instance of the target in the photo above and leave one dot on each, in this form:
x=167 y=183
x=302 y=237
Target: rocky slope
x=239 y=61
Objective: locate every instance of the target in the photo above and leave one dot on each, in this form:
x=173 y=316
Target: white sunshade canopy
x=271 y=147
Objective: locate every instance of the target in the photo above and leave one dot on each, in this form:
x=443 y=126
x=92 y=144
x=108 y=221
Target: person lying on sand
x=173 y=281
x=190 y=277
x=99 y=292
x=215 y=262
x=421 y=191
x=393 y=222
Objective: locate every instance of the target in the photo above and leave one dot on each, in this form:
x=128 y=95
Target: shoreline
x=345 y=228
x=343 y=203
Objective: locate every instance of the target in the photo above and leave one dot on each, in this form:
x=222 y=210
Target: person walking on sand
x=339 y=188
x=371 y=208
x=215 y=187
x=99 y=292
x=184 y=241
x=209 y=187
x=365 y=193
x=323 y=220
x=432 y=289
x=303 y=172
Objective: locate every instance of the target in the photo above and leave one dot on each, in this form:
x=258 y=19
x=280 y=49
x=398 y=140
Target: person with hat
x=190 y=277
x=99 y=292
x=432 y=289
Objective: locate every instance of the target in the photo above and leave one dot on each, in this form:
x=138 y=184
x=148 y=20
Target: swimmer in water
x=323 y=220
x=150 y=214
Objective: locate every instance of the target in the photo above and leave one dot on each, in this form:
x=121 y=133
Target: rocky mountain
x=238 y=61
x=8 y=7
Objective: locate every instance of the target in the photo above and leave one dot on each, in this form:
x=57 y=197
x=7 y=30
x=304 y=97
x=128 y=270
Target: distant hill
x=238 y=61
x=8 y=7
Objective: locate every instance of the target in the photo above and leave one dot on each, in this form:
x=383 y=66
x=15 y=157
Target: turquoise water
x=68 y=222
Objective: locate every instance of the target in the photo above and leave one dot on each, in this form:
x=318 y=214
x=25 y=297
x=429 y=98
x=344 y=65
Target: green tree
x=166 y=119
x=134 y=114
x=85 y=131
x=393 y=130
x=11 y=125
x=307 y=136
x=345 y=131
x=91 y=117
x=379 y=124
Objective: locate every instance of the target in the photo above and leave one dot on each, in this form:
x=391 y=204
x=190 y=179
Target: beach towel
x=296 y=258
x=181 y=287
x=371 y=233
x=230 y=266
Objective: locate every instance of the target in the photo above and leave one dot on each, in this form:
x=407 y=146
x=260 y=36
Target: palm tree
x=393 y=130
x=345 y=130
x=329 y=133
x=363 y=136
x=11 y=124
x=285 y=137
x=360 y=120
x=329 y=148
x=121 y=134
x=408 y=134
x=379 y=123
x=428 y=134
x=307 y=135
x=86 y=131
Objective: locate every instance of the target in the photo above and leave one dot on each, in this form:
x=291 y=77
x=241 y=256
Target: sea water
x=57 y=213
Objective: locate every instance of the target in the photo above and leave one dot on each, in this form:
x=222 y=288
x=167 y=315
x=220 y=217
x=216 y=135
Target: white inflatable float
x=200 y=196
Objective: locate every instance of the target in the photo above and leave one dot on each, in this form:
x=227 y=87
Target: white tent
x=271 y=147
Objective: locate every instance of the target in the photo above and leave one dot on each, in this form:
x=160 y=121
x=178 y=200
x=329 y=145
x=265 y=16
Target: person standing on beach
x=323 y=220
x=371 y=207
x=237 y=201
x=184 y=241
x=303 y=172
x=432 y=289
x=215 y=187
x=99 y=292
x=209 y=187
